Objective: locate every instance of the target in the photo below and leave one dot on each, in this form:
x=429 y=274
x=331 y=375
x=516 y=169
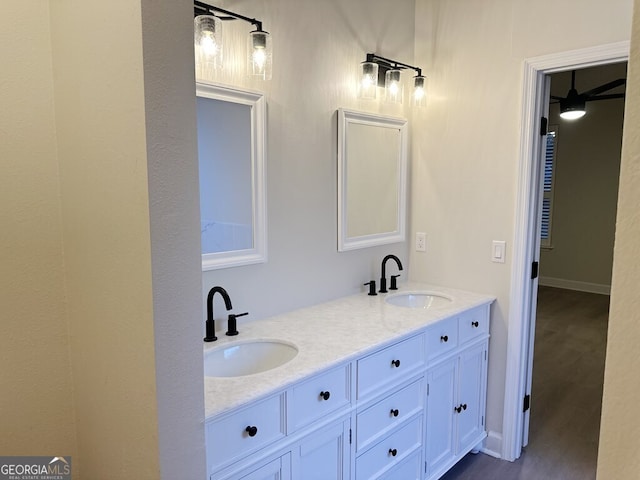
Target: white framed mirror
x=372 y=184
x=231 y=160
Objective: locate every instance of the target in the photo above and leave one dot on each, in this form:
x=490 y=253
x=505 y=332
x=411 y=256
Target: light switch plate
x=498 y=251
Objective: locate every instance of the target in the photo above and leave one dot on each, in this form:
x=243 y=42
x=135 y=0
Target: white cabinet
x=455 y=408
x=278 y=469
x=324 y=454
x=406 y=411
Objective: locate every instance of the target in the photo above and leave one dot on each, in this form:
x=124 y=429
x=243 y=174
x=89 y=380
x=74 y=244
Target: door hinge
x=427 y=389
x=543 y=126
x=485 y=355
x=534 y=270
x=527 y=402
x=349 y=436
x=482 y=422
x=425 y=467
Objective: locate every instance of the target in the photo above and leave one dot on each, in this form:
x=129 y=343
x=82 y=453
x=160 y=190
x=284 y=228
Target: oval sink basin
x=419 y=300
x=247 y=358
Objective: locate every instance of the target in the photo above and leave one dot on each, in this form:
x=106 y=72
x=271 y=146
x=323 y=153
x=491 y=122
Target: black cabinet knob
x=393 y=452
x=444 y=338
x=395 y=363
x=464 y=406
x=475 y=324
x=251 y=430
x=325 y=395
x=457 y=409
x=395 y=412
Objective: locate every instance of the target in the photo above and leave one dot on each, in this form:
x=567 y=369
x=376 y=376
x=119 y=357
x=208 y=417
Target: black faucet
x=210 y=325
x=383 y=278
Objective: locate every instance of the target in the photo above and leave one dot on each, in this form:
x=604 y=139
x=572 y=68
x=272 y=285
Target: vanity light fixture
x=380 y=71
x=208 y=42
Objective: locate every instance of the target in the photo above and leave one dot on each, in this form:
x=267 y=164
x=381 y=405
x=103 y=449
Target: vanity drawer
x=473 y=323
x=387 y=413
x=244 y=431
x=319 y=396
x=390 y=364
x=380 y=458
x=442 y=337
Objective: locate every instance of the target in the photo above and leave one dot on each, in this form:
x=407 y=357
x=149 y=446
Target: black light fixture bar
x=201 y=8
x=387 y=63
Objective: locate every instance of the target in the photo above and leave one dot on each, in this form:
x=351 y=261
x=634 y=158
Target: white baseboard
x=575 y=285
x=493 y=444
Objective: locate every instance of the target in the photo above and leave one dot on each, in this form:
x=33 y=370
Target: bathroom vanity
x=382 y=387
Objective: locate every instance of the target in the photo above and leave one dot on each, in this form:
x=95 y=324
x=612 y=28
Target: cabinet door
x=441 y=396
x=471 y=375
x=324 y=455
x=278 y=469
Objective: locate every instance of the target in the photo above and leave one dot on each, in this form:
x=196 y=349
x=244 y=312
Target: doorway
x=580 y=190
x=523 y=304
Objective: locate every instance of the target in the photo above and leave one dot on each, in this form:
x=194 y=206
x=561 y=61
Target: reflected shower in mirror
x=231 y=136
x=372 y=162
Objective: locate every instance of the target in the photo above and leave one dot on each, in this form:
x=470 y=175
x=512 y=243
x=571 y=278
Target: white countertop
x=325 y=335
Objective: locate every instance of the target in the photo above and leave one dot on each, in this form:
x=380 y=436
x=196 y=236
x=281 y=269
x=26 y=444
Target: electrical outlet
x=421 y=242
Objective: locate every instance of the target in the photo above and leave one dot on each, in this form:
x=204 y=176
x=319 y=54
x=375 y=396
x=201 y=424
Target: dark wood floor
x=568 y=372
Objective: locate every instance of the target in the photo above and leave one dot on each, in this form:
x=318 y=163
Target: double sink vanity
x=390 y=386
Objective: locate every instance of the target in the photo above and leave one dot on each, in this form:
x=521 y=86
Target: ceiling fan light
x=572 y=108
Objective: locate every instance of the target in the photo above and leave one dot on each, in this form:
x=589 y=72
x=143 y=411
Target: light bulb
x=207 y=45
x=260 y=56
x=368 y=80
x=392 y=86
x=419 y=93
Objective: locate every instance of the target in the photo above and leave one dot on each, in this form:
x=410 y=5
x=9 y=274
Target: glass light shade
x=392 y=86
x=419 y=91
x=573 y=113
x=369 y=80
x=207 y=42
x=260 y=55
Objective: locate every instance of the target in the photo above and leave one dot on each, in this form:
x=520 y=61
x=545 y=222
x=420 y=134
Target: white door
x=324 y=455
x=441 y=386
x=471 y=372
x=535 y=255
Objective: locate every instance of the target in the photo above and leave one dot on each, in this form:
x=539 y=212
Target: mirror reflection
x=371 y=179
x=231 y=136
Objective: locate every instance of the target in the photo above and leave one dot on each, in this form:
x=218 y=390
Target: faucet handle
x=394 y=285
x=372 y=287
x=232 y=325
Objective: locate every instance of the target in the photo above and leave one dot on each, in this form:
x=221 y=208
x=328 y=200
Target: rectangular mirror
x=372 y=166
x=231 y=158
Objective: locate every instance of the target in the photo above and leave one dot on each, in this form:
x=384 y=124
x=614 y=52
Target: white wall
x=620 y=431
x=36 y=411
x=318 y=47
x=587 y=170
x=466 y=152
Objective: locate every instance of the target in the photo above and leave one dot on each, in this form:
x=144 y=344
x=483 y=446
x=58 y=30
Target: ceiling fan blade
x=605 y=87
x=605 y=97
x=555 y=97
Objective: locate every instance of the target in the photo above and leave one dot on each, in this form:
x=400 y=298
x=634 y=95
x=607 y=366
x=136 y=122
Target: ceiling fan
x=573 y=105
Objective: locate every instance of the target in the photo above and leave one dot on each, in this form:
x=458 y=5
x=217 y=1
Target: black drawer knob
x=395 y=363
x=475 y=324
x=393 y=452
x=251 y=430
x=464 y=406
x=325 y=395
x=395 y=412
x=457 y=409
x=444 y=338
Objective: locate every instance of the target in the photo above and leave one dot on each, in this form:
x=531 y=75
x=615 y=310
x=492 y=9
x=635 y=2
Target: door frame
x=519 y=358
